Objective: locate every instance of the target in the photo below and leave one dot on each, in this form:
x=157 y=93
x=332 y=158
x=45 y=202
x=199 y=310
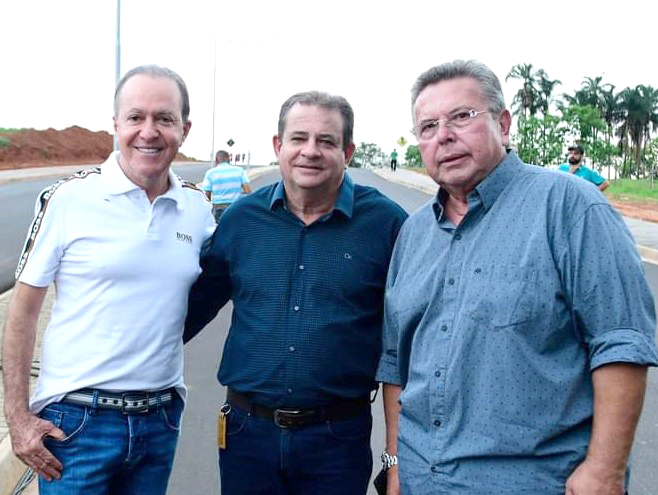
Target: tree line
x=616 y=128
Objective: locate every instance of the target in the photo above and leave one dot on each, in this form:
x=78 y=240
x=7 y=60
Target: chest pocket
x=358 y=279
x=507 y=296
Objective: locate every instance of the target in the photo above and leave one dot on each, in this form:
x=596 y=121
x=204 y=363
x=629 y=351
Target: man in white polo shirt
x=224 y=183
x=121 y=243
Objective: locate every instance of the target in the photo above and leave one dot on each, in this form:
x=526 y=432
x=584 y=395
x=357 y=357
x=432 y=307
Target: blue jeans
x=329 y=458
x=108 y=453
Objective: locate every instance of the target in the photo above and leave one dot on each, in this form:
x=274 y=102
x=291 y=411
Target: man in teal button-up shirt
x=577 y=168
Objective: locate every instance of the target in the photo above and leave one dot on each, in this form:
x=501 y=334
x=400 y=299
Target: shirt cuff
x=623 y=345
x=387 y=371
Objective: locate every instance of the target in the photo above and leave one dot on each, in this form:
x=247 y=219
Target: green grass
x=620 y=189
x=9 y=130
x=4 y=142
x=639 y=190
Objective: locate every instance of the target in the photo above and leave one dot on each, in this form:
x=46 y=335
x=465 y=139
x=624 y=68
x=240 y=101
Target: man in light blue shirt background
x=224 y=183
x=577 y=168
x=518 y=322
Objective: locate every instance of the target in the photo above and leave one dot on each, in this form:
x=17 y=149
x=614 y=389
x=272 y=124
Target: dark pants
x=218 y=209
x=328 y=458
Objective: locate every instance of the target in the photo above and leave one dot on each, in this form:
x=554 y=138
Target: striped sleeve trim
x=44 y=202
x=191 y=185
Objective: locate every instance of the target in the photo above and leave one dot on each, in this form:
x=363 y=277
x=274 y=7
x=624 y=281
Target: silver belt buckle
x=286 y=418
x=134 y=404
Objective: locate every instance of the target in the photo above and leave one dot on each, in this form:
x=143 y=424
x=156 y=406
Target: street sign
x=230 y=142
x=402 y=142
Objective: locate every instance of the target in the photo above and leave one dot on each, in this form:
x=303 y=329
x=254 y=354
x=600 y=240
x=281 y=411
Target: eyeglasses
x=459 y=120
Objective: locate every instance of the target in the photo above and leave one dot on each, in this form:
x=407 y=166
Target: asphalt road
x=17 y=200
x=195 y=470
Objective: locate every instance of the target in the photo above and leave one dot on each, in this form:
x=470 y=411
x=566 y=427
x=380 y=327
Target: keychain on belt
x=221 y=425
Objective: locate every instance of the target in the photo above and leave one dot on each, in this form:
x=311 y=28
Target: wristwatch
x=389 y=460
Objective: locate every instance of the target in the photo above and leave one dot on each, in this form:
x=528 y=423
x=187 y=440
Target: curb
x=11 y=469
x=648 y=254
x=427 y=186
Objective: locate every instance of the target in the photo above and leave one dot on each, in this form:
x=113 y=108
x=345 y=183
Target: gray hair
x=462 y=68
x=326 y=101
x=155 y=71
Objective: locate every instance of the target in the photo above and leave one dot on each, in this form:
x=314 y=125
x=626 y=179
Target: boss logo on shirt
x=184 y=237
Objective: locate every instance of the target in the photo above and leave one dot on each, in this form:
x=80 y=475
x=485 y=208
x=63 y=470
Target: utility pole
x=214 y=85
x=117 y=60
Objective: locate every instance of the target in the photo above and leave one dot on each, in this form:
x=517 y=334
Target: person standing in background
x=578 y=168
x=224 y=183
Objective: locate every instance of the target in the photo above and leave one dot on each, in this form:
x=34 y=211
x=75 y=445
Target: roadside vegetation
x=639 y=190
x=617 y=128
x=4 y=140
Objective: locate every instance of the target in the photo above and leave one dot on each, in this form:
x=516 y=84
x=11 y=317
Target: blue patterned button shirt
x=307 y=299
x=493 y=328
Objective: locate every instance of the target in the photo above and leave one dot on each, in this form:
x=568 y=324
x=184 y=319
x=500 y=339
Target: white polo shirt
x=122 y=268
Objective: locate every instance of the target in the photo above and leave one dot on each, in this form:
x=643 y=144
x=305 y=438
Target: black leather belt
x=133 y=402
x=298 y=418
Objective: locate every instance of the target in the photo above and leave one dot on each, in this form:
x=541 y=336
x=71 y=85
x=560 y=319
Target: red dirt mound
x=71 y=146
x=641 y=210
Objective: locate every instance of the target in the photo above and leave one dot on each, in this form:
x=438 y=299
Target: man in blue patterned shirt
x=518 y=323
x=305 y=263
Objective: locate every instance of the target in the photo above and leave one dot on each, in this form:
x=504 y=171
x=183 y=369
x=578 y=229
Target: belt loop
x=94 y=401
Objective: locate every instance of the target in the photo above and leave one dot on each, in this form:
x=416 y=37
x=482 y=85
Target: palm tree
x=610 y=108
x=525 y=102
x=611 y=113
x=594 y=93
x=592 y=88
x=639 y=118
x=546 y=87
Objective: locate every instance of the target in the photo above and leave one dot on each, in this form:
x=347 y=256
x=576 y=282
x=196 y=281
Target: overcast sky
x=58 y=56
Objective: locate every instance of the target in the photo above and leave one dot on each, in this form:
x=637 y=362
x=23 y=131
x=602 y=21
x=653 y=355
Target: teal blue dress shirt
x=584 y=173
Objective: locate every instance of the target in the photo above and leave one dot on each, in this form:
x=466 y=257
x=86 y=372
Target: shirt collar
x=493 y=184
x=490 y=188
x=344 y=202
x=117 y=183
